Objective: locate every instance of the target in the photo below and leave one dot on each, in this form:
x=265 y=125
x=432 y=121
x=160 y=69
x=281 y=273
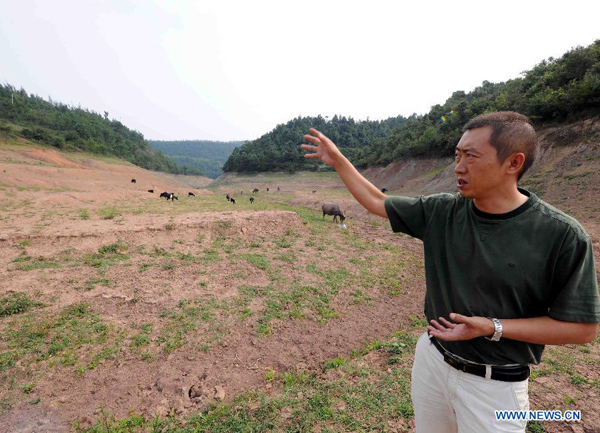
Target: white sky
x=229 y=70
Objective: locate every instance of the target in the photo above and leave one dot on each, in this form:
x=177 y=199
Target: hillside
x=279 y=149
x=205 y=156
x=75 y=129
x=553 y=92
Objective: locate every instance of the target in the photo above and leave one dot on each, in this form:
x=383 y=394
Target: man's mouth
x=461 y=183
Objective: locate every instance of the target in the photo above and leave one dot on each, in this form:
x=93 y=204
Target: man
x=506 y=274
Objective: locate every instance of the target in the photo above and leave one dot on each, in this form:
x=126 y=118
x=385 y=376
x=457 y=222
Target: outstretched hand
x=322 y=148
x=465 y=328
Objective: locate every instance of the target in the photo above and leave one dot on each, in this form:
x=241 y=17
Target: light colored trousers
x=447 y=400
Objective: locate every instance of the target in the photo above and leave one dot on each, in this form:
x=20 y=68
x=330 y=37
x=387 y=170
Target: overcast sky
x=233 y=70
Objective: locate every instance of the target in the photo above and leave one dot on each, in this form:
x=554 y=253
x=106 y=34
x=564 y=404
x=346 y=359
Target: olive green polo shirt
x=531 y=262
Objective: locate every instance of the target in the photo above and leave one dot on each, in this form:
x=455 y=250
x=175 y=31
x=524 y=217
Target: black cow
x=232 y=200
x=251 y=200
x=165 y=195
x=132 y=180
x=255 y=190
x=191 y=194
x=228 y=197
x=333 y=209
x=384 y=190
x=151 y=190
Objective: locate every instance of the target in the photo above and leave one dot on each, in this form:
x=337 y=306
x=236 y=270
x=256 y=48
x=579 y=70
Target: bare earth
x=204 y=253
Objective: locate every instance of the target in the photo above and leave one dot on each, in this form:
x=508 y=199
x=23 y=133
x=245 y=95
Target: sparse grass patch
x=27 y=263
x=359 y=297
x=91 y=283
x=16 y=303
x=258 y=260
x=27 y=388
x=84 y=214
x=24 y=242
x=107 y=255
x=39 y=337
x=108 y=212
x=170 y=225
x=187 y=318
x=287 y=257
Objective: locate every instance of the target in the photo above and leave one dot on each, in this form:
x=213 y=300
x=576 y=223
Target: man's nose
x=460 y=168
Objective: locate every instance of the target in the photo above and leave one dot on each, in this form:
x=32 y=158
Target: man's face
x=478 y=172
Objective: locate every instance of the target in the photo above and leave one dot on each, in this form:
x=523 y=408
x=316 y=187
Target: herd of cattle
x=332 y=209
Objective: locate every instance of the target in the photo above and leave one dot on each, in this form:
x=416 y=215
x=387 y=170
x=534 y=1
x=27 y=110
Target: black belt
x=505 y=374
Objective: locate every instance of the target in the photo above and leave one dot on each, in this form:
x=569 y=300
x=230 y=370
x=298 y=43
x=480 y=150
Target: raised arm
x=363 y=191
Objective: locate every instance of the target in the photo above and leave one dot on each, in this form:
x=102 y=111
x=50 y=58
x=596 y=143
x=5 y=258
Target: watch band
x=497 y=330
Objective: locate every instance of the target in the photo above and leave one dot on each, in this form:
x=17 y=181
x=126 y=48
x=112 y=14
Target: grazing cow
x=191 y=194
x=277 y=189
x=251 y=200
x=165 y=195
x=228 y=197
x=384 y=190
x=232 y=200
x=267 y=189
x=173 y=196
x=333 y=209
x=255 y=190
x=132 y=180
x=151 y=190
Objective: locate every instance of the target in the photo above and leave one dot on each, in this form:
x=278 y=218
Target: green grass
x=258 y=260
x=16 y=303
x=33 y=338
x=108 y=212
x=84 y=214
x=93 y=282
x=27 y=263
x=196 y=316
x=107 y=255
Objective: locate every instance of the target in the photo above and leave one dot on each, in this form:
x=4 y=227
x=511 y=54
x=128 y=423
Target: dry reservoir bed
x=168 y=314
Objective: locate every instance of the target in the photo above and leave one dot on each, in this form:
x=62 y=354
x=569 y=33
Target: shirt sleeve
x=411 y=215
x=575 y=281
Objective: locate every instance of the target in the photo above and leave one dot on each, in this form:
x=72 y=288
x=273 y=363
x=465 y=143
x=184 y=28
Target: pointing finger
x=312 y=139
x=309 y=147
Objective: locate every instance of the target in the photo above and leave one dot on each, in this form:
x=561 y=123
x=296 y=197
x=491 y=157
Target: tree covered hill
x=279 y=150
x=555 y=90
x=70 y=128
x=203 y=155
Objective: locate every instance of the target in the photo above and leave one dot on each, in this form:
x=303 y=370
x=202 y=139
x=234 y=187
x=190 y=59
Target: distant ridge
x=203 y=155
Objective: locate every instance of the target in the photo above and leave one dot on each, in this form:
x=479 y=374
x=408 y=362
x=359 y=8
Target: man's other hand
x=465 y=328
x=322 y=148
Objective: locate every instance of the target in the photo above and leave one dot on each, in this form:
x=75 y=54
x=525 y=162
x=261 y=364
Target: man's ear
x=515 y=163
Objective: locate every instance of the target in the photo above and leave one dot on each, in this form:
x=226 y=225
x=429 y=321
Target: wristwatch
x=497 y=330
